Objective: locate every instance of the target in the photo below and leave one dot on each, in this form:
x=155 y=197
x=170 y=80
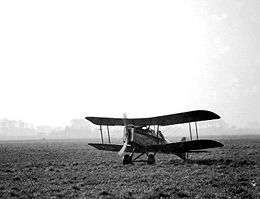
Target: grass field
x=72 y=169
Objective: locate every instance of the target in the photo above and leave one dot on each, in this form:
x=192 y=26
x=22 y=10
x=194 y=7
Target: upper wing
x=181 y=147
x=179 y=118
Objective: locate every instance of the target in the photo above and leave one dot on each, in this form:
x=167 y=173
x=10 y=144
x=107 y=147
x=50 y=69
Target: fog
x=82 y=129
x=64 y=59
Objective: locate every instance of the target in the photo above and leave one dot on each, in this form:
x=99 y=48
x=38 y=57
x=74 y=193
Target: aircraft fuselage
x=145 y=137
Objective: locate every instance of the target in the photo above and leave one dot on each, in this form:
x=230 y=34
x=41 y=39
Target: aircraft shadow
x=222 y=161
x=207 y=161
x=204 y=161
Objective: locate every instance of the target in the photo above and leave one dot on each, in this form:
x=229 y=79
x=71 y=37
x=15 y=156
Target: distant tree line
x=80 y=128
x=12 y=129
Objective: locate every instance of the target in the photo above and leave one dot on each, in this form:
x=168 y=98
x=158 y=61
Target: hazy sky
x=68 y=59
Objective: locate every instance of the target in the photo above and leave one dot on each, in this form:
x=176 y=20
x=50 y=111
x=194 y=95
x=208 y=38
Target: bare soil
x=72 y=169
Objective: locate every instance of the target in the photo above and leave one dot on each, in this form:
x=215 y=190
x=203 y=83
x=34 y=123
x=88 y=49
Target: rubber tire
x=151 y=159
x=127 y=159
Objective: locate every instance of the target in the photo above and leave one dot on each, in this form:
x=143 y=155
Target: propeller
x=125 y=137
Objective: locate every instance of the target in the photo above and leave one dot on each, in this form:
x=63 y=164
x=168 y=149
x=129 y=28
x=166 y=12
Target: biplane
x=139 y=138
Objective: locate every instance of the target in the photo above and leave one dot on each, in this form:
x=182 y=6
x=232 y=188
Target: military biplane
x=140 y=138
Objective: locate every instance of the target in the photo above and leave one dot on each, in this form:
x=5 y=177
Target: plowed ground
x=72 y=169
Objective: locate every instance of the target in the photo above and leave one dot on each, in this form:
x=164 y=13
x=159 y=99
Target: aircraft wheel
x=151 y=159
x=127 y=159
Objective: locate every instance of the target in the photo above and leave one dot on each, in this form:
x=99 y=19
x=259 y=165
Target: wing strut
x=108 y=135
x=100 y=128
x=196 y=128
x=190 y=132
x=158 y=132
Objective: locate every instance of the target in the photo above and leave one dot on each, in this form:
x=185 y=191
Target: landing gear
x=151 y=159
x=127 y=159
x=183 y=156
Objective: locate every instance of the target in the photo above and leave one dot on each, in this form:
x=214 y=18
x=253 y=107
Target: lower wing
x=177 y=147
x=117 y=147
x=110 y=147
